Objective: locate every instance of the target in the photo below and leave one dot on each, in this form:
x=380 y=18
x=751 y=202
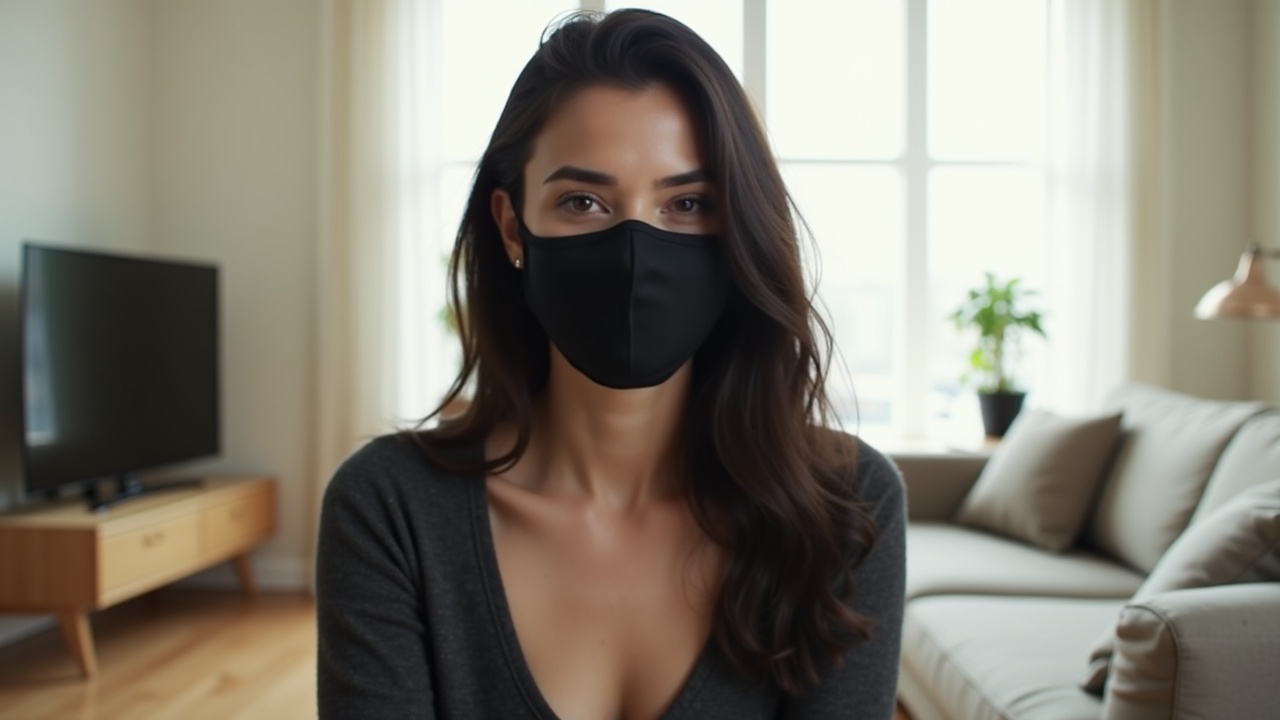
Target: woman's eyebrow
x=688 y=178
x=594 y=177
x=569 y=172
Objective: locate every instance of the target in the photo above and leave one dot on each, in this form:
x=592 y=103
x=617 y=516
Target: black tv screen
x=120 y=364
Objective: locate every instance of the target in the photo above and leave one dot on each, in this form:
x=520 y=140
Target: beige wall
x=1265 y=337
x=234 y=156
x=1207 y=185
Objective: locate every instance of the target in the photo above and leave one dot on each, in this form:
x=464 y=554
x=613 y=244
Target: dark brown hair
x=764 y=479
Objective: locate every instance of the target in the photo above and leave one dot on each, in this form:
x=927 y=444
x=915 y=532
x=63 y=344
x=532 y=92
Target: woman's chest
x=611 y=617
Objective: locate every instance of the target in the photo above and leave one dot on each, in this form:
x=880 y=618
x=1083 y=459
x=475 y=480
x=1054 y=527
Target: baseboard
x=270 y=574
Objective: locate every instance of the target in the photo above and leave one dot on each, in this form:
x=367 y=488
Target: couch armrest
x=937 y=482
x=1201 y=653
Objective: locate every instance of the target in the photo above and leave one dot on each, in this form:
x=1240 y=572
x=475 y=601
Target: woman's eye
x=580 y=203
x=689 y=205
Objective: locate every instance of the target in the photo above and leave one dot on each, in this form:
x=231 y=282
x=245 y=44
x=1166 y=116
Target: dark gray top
x=413 y=621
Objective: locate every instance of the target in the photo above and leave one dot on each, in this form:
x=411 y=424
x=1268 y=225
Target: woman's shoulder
x=395 y=465
x=874 y=475
x=877 y=475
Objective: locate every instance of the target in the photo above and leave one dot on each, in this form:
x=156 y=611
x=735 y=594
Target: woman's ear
x=504 y=216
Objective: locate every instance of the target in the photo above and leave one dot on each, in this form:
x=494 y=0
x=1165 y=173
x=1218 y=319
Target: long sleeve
x=864 y=686
x=372 y=644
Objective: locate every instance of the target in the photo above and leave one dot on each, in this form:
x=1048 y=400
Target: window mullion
x=755 y=17
x=914 y=315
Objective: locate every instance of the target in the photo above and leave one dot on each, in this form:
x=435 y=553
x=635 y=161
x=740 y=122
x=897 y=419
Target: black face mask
x=627 y=305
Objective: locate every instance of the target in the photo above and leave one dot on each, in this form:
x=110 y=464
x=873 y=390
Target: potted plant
x=997 y=311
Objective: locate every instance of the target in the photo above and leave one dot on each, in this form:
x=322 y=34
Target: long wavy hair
x=763 y=478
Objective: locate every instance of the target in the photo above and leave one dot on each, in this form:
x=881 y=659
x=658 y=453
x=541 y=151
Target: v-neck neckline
x=491 y=575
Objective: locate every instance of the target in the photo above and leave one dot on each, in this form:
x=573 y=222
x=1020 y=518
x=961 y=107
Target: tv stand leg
x=245 y=571
x=75 y=628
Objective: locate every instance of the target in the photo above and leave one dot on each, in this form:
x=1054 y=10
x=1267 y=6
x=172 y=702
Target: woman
x=639 y=514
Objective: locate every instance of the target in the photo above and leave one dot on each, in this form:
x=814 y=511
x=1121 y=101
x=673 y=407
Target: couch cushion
x=1170 y=445
x=1002 y=658
x=1041 y=479
x=946 y=559
x=1251 y=458
x=1237 y=543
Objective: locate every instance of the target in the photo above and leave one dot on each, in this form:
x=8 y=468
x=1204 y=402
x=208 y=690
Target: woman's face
x=610 y=154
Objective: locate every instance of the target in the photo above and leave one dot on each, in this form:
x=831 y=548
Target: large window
x=911 y=134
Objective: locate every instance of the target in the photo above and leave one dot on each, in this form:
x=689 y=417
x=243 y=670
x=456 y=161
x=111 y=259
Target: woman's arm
x=372 y=659
x=865 y=685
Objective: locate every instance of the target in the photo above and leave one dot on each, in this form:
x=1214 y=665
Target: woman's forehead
x=628 y=133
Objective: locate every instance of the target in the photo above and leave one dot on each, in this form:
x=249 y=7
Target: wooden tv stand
x=64 y=559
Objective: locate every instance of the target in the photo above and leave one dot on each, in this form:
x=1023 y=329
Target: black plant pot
x=999 y=410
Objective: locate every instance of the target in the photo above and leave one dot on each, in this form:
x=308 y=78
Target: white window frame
x=916 y=164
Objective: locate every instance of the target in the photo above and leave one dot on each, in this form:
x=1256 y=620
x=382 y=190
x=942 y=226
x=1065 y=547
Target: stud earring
x=517 y=261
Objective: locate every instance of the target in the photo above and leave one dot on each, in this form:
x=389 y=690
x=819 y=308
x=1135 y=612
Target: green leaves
x=997 y=312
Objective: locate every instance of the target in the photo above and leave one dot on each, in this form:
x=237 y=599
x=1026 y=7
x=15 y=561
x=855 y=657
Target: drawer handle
x=153 y=538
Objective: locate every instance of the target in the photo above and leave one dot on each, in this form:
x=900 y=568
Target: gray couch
x=996 y=627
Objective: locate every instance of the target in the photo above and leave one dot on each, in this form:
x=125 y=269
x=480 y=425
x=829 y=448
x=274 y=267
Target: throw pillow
x=1040 y=480
x=1239 y=542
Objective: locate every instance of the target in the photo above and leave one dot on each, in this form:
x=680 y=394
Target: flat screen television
x=119 y=369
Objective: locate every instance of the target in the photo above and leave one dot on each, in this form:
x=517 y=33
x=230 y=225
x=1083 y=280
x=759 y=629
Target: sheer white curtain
x=1104 y=240
x=380 y=287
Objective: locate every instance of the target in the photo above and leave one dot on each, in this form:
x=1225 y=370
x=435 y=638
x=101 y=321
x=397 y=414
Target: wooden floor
x=182 y=654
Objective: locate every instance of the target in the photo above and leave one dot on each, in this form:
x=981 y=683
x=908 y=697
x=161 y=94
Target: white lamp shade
x=1247 y=295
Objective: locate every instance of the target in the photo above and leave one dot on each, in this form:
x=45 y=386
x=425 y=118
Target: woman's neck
x=613 y=447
